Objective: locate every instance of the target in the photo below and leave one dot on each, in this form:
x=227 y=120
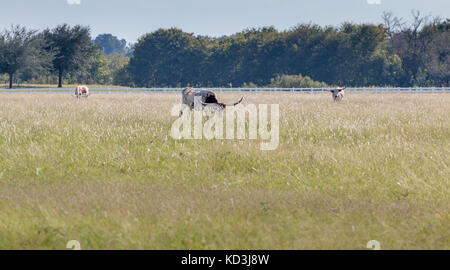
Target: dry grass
x=106 y=172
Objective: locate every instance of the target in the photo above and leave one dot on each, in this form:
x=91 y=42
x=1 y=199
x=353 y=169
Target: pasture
x=106 y=172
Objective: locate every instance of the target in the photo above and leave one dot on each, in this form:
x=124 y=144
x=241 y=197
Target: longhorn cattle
x=82 y=91
x=206 y=98
x=338 y=94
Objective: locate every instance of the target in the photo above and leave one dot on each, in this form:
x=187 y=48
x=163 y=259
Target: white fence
x=415 y=90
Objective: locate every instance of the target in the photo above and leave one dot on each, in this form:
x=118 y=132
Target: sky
x=130 y=19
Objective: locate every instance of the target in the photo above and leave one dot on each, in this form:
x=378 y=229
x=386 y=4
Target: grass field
x=106 y=172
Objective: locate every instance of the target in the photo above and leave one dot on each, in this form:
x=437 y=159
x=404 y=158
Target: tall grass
x=105 y=171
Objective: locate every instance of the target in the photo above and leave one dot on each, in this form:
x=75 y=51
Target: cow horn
x=234 y=104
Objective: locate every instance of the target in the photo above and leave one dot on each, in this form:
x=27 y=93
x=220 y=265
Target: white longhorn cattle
x=338 y=94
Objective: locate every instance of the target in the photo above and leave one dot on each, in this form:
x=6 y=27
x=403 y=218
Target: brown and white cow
x=82 y=91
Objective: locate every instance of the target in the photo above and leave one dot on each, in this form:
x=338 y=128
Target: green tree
x=95 y=71
x=123 y=77
x=118 y=66
x=73 y=48
x=111 y=44
x=168 y=58
x=423 y=47
x=22 y=50
x=437 y=59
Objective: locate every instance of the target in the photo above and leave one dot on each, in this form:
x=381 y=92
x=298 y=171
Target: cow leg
x=181 y=109
x=190 y=110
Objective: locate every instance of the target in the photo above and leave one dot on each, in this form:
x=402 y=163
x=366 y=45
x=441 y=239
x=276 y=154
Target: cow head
x=336 y=92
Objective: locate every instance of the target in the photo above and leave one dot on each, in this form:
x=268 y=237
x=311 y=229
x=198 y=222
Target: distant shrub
x=295 y=81
x=249 y=85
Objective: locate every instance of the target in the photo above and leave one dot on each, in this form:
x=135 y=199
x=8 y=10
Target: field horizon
x=105 y=171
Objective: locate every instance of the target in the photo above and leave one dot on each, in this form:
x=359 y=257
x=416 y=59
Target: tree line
x=62 y=54
x=395 y=53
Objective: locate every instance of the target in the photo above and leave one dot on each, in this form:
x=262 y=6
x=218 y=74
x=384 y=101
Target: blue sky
x=130 y=19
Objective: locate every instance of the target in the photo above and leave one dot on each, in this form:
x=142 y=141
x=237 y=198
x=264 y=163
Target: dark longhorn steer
x=206 y=98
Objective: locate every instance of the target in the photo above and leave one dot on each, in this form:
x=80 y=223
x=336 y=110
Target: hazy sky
x=130 y=19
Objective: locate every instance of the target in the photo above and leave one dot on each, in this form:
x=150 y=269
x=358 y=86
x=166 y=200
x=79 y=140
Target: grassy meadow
x=106 y=172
